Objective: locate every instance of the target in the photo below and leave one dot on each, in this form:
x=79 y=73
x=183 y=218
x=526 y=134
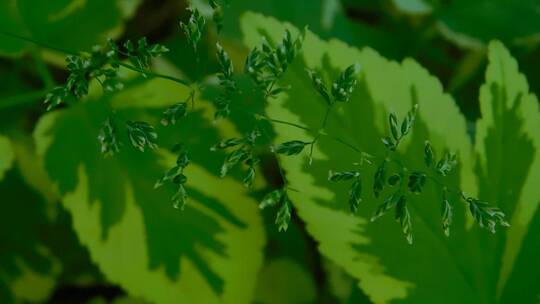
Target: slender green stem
x=343 y=142
x=326 y=115
x=152 y=74
x=442 y=185
x=316 y=139
x=35 y=42
x=337 y=139
x=259 y=117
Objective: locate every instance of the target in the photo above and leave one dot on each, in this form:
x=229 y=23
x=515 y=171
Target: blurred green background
x=42 y=257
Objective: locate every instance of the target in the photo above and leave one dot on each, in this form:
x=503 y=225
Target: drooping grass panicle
x=193 y=29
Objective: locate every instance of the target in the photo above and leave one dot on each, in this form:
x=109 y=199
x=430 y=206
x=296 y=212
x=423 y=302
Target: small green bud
x=108 y=138
x=319 y=85
x=429 y=155
x=271 y=199
x=404 y=218
x=56 y=97
x=179 y=199
x=141 y=135
x=389 y=143
x=379 y=178
x=446 y=164
x=393 y=126
x=355 y=195
x=224 y=61
x=217 y=15
x=193 y=29
x=227 y=143
x=250 y=176
x=232 y=160
x=283 y=216
x=485 y=215
x=388 y=203
x=174 y=113
x=417 y=181
x=394 y=179
x=409 y=120
x=342 y=176
x=293 y=147
x=344 y=85
x=447 y=214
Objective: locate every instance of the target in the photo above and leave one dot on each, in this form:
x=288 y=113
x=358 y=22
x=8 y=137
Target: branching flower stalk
x=266 y=65
x=406 y=182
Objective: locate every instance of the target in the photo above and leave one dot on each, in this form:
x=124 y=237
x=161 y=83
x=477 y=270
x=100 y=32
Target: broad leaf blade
x=131 y=230
x=28 y=267
x=508 y=172
x=474 y=23
x=368 y=251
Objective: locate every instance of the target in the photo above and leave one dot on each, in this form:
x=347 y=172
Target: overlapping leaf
x=65 y=24
x=508 y=171
x=474 y=23
x=465 y=267
x=28 y=270
x=131 y=230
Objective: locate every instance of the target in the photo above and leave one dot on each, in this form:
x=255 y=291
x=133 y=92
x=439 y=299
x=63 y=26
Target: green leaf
x=477 y=266
x=474 y=23
x=367 y=251
x=28 y=267
x=70 y=25
x=132 y=231
x=507 y=171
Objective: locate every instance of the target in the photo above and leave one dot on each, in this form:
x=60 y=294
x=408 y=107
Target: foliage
x=123 y=211
x=357 y=246
x=47 y=23
x=140 y=178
